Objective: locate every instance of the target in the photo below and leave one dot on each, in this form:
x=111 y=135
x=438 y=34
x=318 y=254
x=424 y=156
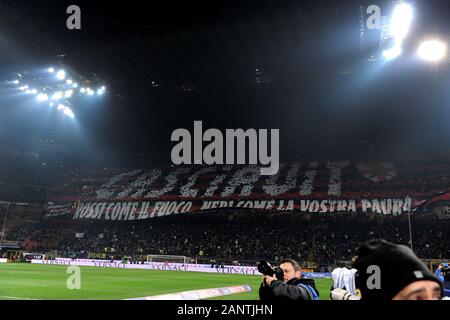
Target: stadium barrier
x=3 y=260
x=244 y=270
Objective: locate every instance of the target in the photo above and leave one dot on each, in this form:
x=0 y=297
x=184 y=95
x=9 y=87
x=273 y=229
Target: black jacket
x=293 y=290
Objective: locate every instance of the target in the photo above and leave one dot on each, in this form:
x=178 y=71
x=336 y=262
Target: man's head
x=387 y=271
x=291 y=269
x=420 y=290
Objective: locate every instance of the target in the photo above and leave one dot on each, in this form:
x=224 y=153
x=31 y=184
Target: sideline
x=199 y=294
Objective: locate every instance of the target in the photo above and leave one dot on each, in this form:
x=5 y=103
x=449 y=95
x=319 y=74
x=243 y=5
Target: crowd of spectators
x=247 y=236
x=418 y=179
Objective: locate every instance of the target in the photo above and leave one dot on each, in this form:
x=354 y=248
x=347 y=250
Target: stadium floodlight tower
x=56 y=87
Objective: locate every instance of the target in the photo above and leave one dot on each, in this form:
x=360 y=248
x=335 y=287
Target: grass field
x=48 y=282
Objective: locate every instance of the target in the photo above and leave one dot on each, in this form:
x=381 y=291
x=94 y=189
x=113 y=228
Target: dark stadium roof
x=231 y=64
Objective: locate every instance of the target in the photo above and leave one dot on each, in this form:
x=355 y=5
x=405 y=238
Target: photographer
x=443 y=274
x=440 y=272
x=286 y=283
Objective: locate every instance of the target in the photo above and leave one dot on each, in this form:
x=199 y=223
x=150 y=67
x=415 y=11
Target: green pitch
x=48 y=282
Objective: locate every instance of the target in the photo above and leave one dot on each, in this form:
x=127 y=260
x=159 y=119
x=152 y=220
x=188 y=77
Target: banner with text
x=119 y=211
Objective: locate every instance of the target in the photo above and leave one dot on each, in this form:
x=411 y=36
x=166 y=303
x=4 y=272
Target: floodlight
x=432 y=50
x=68 y=93
x=42 y=97
x=68 y=112
x=61 y=75
x=57 y=95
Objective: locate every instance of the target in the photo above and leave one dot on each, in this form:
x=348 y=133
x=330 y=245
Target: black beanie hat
x=399 y=267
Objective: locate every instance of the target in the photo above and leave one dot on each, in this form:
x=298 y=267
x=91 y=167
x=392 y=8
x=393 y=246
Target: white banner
x=119 y=211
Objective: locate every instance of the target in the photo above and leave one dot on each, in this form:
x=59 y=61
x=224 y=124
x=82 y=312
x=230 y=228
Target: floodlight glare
x=33 y=91
x=100 y=92
x=42 y=97
x=432 y=50
x=68 y=93
x=15 y=82
x=23 y=88
x=69 y=113
x=69 y=81
x=392 y=53
x=51 y=70
x=75 y=85
x=57 y=95
x=82 y=90
x=61 y=106
x=401 y=21
x=61 y=75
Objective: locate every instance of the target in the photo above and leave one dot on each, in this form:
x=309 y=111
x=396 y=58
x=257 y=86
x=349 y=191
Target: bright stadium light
x=82 y=90
x=31 y=91
x=401 y=21
x=392 y=53
x=69 y=113
x=68 y=94
x=100 y=92
x=51 y=70
x=69 y=81
x=23 y=88
x=61 y=75
x=75 y=85
x=90 y=92
x=432 y=50
x=42 y=97
x=15 y=82
x=57 y=95
x=61 y=106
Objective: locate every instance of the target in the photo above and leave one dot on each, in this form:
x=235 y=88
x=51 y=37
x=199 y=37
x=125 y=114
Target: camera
x=341 y=294
x=266 y=269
